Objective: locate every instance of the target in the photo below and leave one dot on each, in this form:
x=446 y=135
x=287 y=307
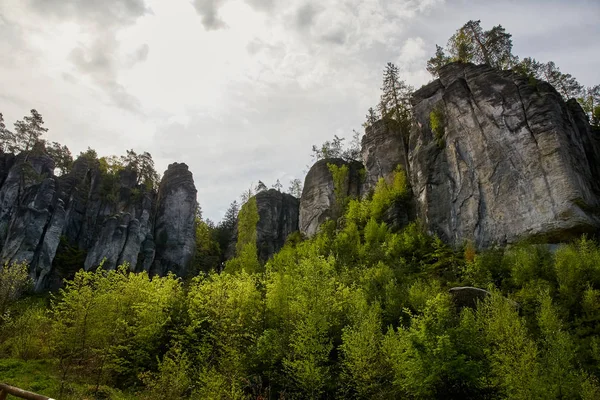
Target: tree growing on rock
x=27 y=133
x=295 y=188
x=471 y=43
x=143 y=165
x=63 y=160
x=371 y=117
x=590 y=102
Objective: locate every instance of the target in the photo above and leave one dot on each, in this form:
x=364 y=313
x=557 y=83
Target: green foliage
x=471 y=43
x=358 y=311
x=437 y=121
x=63 y=160
x=208 y=252
x=68 y=259
x=27 y=134
x=14 y=280
x=106 y=324
x=246 y=251
x=339 y=174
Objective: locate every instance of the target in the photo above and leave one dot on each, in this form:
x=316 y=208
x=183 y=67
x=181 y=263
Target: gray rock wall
x=382 y=152
x=515 y=161
x=277 y=218
x=318 y=199
x=174 y=229
x=109 y=220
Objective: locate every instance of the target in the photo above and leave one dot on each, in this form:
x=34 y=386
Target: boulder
x=468 y=296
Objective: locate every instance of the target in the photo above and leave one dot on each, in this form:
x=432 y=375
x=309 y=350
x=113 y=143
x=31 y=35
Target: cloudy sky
x=241 y=89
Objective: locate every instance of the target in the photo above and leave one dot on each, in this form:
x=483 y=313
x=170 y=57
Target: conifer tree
x=27 y=133
x=295 y=188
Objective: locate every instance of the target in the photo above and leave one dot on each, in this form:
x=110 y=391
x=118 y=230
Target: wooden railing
x=5 y=390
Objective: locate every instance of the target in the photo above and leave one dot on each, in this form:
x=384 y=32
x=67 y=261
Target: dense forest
x=357 y=311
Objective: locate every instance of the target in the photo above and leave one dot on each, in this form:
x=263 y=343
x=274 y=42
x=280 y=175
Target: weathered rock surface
x=383 y=150
x=318 y=198
x=515 y=161
x=174 y=230
x=467 y=296
x=90 y=211
x=278 y=218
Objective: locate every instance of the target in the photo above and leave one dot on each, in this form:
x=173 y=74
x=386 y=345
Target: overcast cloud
x=241 y=89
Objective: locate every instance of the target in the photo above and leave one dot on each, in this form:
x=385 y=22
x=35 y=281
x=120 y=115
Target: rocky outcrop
x=318 y=200
x=467 y=296
x=107 y=217
x=383 y=150
x=277 y=219
x=174 y=229
x=511 y=160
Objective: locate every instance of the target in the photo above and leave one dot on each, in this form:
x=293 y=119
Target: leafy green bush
x=437 y=122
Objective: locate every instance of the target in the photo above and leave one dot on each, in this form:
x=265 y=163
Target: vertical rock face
x=174 y=230
x=513 y=161
x=382 y=151
x=278 y=218
x=318 y=197
x=110 y=218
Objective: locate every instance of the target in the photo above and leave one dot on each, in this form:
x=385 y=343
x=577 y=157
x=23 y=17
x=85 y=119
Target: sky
x=240 y=90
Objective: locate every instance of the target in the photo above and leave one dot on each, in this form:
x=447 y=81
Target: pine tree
x=438 y=61
x=27 y=133
x=295 y=188
x=395 y=95
x=371 y=117
x=260 y=186
x=277 y=186
x=471 y=43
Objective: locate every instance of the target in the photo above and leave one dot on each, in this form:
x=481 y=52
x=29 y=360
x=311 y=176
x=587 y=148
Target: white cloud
x=245 y=99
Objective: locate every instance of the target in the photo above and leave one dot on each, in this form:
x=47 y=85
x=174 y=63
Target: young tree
x=5 y=134
x=437 y=61
x=329 y=149
x=590 y=102
x=352 y=153
x=247 y=195
x=371 y=117
x=295 y=188
x=277 y=185
x=63 y=160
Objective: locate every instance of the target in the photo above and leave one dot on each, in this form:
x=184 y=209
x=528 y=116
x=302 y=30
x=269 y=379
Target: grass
x=39 y=376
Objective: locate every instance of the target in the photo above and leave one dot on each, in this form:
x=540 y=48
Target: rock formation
x=111 y=218
x=278 y=218
x=505 y=159
x=383 y=151
x=513 y=161
x=174 y=231
x=318 y=198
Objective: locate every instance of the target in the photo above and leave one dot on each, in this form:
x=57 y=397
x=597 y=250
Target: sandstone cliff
x=507 y=159
x=278 y=218
x=103 y=218
x=318 y=197
x=513 y=161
